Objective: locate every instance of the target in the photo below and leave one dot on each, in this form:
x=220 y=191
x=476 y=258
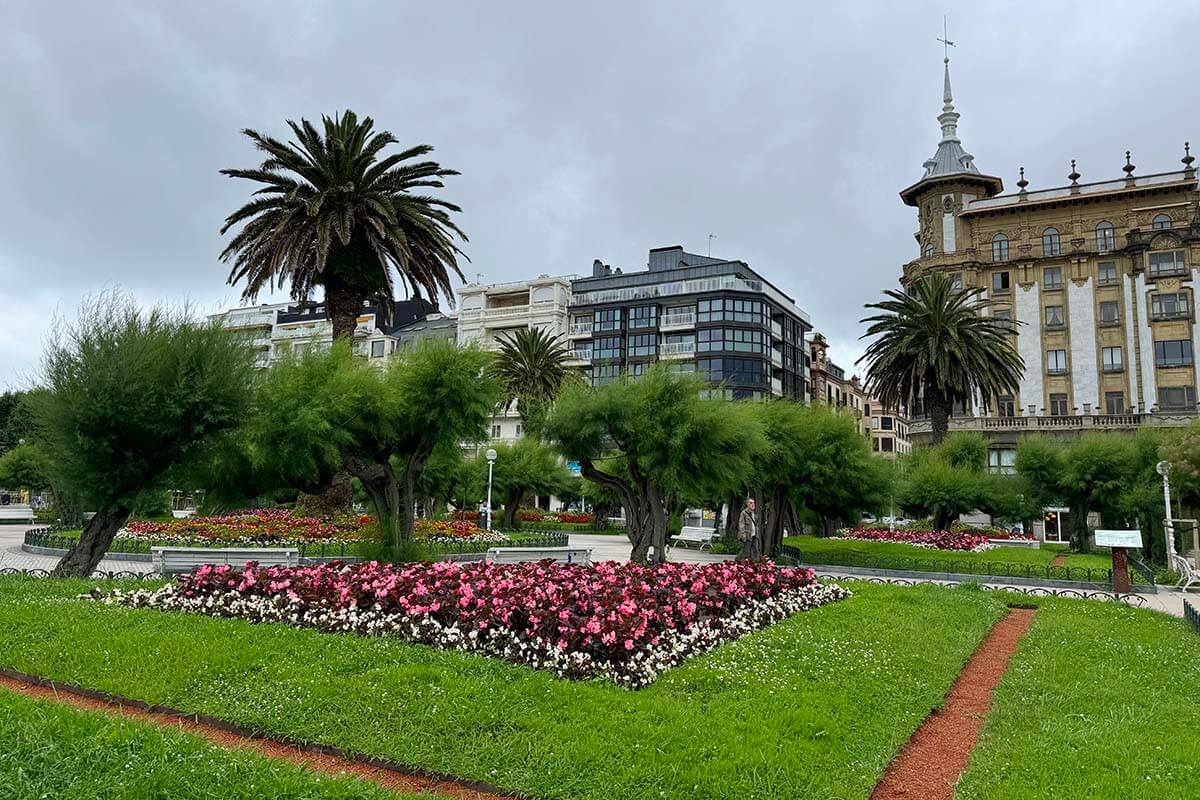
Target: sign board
x=1118 y=538
x=573 y=468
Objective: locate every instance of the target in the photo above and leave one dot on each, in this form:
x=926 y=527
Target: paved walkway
x=12 y=556
x=616 y=547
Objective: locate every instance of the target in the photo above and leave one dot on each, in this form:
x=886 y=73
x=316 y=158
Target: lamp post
x=1164 y=468
x=491 y=459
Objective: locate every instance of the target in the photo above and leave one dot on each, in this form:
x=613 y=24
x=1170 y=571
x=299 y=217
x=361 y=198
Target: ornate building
x=887 y=429
x=1096 y=279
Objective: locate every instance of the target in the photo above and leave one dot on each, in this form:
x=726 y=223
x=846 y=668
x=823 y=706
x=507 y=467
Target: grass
x=48 y=750
x=1099 y=701
x=813 y=707
x=1005 y=560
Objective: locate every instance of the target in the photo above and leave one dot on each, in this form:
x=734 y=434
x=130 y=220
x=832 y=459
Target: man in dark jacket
x=748 y=533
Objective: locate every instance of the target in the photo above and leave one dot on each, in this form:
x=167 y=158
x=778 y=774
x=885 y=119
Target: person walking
x=748 y=533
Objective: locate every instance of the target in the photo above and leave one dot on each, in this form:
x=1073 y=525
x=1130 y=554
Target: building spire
x=948 y=119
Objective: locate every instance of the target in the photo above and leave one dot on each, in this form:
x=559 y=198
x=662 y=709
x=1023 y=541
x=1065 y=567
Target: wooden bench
x=521 y=555
x=174 y=560
x=701 y=537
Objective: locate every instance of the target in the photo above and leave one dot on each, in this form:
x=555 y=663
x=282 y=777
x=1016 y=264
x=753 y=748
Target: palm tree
x=935 y=345
x=332 y=212
x=531 y=366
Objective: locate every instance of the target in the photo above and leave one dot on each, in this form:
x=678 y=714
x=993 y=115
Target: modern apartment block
x=487 y=314
x=1096 y=280
x=713 y=316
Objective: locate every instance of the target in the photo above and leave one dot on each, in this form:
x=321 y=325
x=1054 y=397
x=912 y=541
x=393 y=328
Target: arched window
x=999 y=248
x=1160 y=222
x=1106 y=241
x=1051 y=242
x=928 y=250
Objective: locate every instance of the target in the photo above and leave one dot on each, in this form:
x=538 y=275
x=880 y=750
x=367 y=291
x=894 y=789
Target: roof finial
x=1188 y=158
x=1074 y=176
x=1021 y=184
x=1129 y=167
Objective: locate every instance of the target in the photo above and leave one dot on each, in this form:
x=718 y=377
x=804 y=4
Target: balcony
x=776 y=386
x=1066 y=423
x=776 y=359
x=776 y=330
x=670 y=322
x=580 y=330
x=579 y=357
x=673 y=350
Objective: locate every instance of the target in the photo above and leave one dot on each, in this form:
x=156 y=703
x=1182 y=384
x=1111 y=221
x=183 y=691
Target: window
x=1054 y=317
x=495 y=431
x=928 y=251
x=956 y=281
x=1004 y=320
x=1051 y=242
x=605 y=374
x=637 y=369
x=736 y=371
x=1108 y=273
x=1173 y=353
x=1167 y=263
x=1170 y=305
x=518 y=430
x=885 y=423
x=887 y=445
x=730 y=339
x=1110 y=313
x=1005 y=407
x=1114 y=403
x=606 y=347
x=999 y=283
x=1160 y=222
x=1003 y=460
x=875 y=423
x=1052 y=278
x=875 y=445
x=377 y=349
x=1177 y=398
x=1058 y=405
x=866 y=409
x=645 y=344
x=643 y=317
x=730 y=309
x=1106 y=240
x=999 y=248
x=1112 y=359
x=607 y=320
x=1056 y=362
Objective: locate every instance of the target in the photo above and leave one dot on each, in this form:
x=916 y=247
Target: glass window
x=1108 y=273
x=645 y=344
x=1054 y=317
x=1056 y=362
x=1105 y=238
x=606 y=347
x=1177 y=398
x=1169 y=305
x=999 y=248
x=1000 y=283
x=928 y=250
x=1003 y=460
x=1004 y=320
x=637 y=369
x=885 y=423
x=1112 y=359
x=1052 y=278
x=643 y=317
x=1005 y=406
x=605 y=374
x=1058 y=405
x=738 y=340
x=1114 y=403
x=607 y=320
x=1173 y=353
x=887 y=445
x=1170 y=262
x=495 y=431
x=1160 y=222
x=1110 y=312
x=1051 y=242
x=956 y=281
x=377 y=349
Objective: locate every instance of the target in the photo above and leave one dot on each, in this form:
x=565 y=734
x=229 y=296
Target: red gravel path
x=1059 y=561
x=929 y=765
x=325 y=760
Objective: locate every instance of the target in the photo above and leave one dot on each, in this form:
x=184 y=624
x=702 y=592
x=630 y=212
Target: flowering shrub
x=459 y=532
x=937 y=540
x=253 y=526
x=622 y=621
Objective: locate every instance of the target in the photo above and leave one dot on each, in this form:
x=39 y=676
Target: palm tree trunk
x=938 y=408
x=343 y=305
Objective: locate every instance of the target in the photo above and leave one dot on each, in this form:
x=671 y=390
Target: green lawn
x=1100 y=702
x=814 y=707
x=50 y=751
x=1010 y=561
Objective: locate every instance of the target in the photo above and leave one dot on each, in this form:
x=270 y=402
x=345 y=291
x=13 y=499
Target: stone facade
x=887 y=429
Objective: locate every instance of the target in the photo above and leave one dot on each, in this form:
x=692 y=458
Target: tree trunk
x=93 y=543
x=938 y=408
x=512 y=509
x=828 y=525
x=774 y=517
x=793 y=519
x=657 y=512
x=379 y=481
x=1079 y=528
x=334 y=497
x=343 y=305
x=735 y=503
x=942 y=519
x=408 y=505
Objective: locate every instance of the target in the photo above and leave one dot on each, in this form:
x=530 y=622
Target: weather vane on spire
x=945 y=38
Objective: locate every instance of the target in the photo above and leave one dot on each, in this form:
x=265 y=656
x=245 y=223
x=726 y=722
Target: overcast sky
x=583 y=131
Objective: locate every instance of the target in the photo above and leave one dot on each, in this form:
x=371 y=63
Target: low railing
x=1064 y=421
x=990 y=569
x=670 y=349
x=686 y=320
x=1191 y=615
x=580 y=329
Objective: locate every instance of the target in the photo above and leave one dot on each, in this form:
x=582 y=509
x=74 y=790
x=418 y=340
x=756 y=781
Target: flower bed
x=461 y=532
x=534 y=515
x=624 y=622
x=937 y=540
x=252 y=526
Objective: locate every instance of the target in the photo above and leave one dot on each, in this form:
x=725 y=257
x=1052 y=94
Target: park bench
x=16 y=513
x=173 y=560
x=521 y=555
x=701 y=537
x=1188 y=574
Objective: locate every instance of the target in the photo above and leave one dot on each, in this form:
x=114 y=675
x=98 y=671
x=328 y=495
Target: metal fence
x=1191 y=615
x=990 y=569
x=1135 y=600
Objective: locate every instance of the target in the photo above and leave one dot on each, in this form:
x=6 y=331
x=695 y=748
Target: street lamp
x=1164 y=468
x=491 y=459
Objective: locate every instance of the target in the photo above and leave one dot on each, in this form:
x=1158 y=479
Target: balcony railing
x=918 y=427
x=580 y=329
x=677 y=321
x=580 y=354
x=676 y=349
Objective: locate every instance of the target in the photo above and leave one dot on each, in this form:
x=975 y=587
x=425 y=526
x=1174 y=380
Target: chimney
x=597 y=269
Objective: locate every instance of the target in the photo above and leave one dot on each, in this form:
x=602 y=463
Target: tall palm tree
x=531 y=366
x=333 y=211
x=934 y=344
